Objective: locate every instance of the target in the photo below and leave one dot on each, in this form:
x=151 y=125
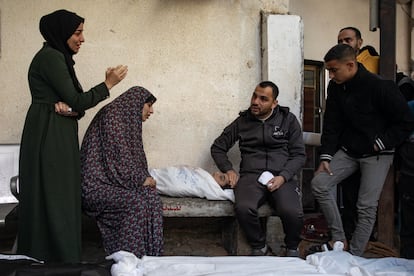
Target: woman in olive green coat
x=49 y=169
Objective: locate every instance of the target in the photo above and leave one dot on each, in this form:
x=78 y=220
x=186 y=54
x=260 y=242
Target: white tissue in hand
x=265 y=177
x=338 y=246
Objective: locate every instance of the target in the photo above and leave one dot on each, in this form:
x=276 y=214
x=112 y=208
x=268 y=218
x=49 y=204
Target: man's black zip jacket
x=364 y=111
x=275 y=145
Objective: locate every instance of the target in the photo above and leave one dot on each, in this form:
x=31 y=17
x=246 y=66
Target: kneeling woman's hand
x=149 y=181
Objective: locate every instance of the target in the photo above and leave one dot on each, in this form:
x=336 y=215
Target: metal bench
x=5 y=209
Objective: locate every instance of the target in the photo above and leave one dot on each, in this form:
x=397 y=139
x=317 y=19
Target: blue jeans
x=374 y=170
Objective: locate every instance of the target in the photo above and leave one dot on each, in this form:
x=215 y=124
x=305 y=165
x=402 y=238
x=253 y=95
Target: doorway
x=313 y=103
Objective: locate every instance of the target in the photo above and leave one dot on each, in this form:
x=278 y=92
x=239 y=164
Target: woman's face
x=75 y=41
x=147 y=111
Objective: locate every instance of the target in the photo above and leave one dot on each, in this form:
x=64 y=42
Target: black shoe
x=288 y=252
x=313 y=249
x=292 y=253
x=260 y=251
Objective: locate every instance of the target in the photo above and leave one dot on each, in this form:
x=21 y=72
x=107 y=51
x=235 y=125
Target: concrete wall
x=323 y=19
x=202 y=59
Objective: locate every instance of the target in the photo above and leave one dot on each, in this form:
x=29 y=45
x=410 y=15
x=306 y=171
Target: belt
x=51 y=105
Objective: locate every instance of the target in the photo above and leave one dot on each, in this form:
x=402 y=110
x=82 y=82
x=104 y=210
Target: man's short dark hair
x=275 y=89
x=340 y=52
x=355 y=30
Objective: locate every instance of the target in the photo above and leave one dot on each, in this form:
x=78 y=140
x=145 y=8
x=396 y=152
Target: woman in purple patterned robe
x=117 y=189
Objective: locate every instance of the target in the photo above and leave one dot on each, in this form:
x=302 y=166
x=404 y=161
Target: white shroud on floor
x=324 y=263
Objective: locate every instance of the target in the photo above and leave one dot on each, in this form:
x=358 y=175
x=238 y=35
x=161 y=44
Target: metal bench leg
x=14 y=248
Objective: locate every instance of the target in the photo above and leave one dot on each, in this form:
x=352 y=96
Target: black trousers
x=406 y=197
x=287 y=201
x=406 y=186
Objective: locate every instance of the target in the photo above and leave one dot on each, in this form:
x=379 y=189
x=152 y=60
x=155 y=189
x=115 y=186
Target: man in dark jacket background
x=366 y=117
x=349 y=187
x=272 y=152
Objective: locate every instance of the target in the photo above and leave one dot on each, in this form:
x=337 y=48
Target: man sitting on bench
x=272 y=152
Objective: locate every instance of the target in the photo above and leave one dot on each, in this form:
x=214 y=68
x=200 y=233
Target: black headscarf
x=56 y=28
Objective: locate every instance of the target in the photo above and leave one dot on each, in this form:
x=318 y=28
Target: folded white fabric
x=187 y=181
x=126 y=264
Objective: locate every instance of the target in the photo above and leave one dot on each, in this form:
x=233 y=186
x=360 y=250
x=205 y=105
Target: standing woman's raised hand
x=114 y=75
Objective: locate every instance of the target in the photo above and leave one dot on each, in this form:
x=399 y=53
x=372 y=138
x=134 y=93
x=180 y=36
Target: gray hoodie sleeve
x=223 y=144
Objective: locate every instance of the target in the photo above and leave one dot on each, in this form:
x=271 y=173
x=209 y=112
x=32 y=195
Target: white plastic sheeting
x=187 y=181
x=344 y=263
x=324 y=263
x=126 y=264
